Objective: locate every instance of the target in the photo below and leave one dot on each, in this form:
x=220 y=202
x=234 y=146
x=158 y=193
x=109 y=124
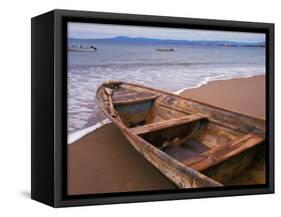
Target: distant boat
x=165 y=49
x=81 y=48
x=193 y=144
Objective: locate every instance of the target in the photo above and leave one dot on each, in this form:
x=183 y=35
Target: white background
x=15 y=106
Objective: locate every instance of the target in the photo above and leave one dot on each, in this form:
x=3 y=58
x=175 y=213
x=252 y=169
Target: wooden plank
x=131 y=95
x=121 y=91
x=134 y=99
x=165 y=124
x=174 y=108
x=221 y=153
x=210 y=119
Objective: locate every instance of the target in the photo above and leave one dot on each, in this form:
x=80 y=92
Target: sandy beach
x=246 y=95
x=104 y=161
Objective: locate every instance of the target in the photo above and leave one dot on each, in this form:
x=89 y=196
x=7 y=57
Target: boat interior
x=190 y=137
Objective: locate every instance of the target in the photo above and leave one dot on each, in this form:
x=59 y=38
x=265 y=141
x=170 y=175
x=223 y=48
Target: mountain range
x=127 y=40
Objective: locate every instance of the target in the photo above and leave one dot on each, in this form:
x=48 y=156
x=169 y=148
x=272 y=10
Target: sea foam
x=73 y=137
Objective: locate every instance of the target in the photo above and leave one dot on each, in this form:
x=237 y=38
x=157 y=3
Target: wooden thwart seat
x=165 y=124
x=125 y=96
x=221 y=153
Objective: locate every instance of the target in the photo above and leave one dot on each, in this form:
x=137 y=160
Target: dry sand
x=104 y=161
x=246 y=95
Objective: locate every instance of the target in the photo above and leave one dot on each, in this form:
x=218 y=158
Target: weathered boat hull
x=220 y=143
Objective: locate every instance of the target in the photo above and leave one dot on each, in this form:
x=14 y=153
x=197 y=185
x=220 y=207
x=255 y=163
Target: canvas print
x=156 y=108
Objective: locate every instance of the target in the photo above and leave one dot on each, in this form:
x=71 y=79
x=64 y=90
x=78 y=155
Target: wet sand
x=104 y=161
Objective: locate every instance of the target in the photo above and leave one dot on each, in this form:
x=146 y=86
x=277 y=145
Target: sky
x=96 y=31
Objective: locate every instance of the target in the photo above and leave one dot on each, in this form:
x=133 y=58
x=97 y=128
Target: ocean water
x=187 y=67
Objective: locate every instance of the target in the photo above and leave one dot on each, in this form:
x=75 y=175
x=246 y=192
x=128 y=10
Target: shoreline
x=208 y=81
x=75 y=136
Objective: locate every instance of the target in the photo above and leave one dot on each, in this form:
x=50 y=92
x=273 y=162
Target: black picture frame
x=49 y=91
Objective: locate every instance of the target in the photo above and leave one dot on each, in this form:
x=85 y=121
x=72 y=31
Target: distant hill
x=125 y=39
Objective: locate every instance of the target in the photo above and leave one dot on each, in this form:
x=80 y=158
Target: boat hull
x=149 y=117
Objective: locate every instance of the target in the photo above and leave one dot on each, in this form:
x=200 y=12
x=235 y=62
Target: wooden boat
x=193 y=144
x=82 y=49
x=165 y=49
